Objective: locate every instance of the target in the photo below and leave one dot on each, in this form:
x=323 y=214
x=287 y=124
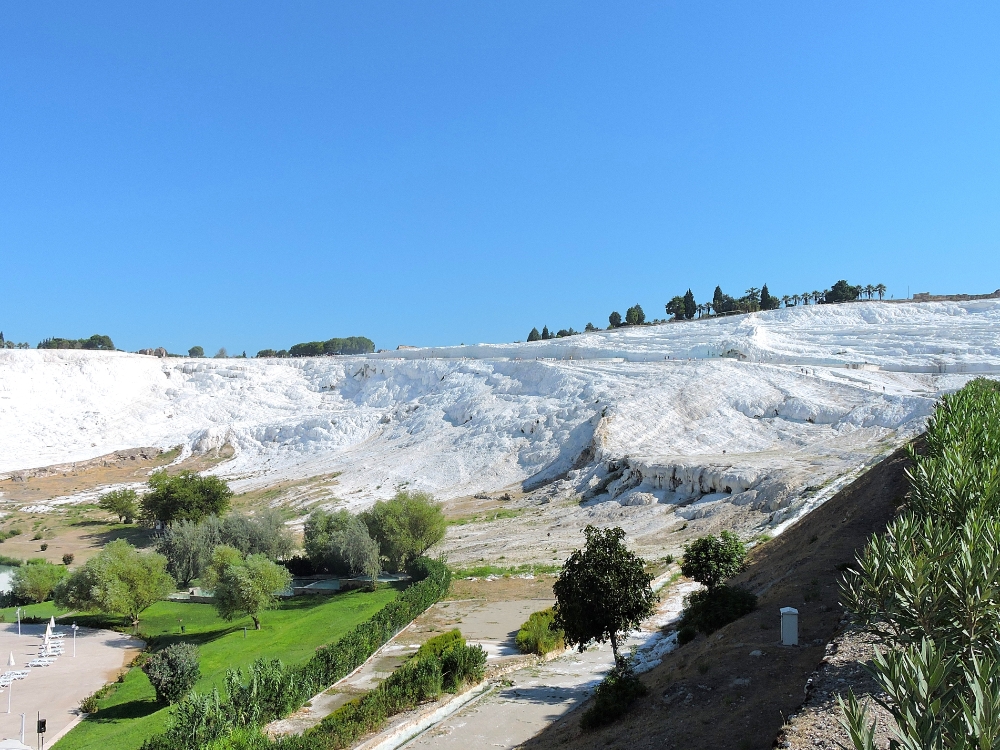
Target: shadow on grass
x=157 y=642
x=130 y=710
x=137 y=536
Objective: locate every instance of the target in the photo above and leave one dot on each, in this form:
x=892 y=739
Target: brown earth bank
x=736 y=687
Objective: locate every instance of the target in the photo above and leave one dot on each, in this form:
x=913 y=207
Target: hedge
x=270 y=690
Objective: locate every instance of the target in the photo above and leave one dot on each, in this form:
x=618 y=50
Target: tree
x=188 y=548
x=843 y=292
x=222 y=353
x=36 y=580
x=767 y=302
x=186 y=496
x=122 y=503
x=173 y=671
x=196 y=351
x=97 y=341
x=248 y=586
x=690 y=307
x=545 y=333
x=405 y=527
x=676 y=307
x=603 y=591
x=718 y=301
x=615 y=319
x=119 y=580
x=786 y=300
x=261 y=534
x=753 y=298
x=634 y=316
x=714 y=560
x=534 y=335
x=340 y=543
x=880 y=291
x=796 y=299
x=590 y=327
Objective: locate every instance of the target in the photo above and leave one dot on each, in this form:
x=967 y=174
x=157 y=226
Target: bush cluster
x=173 y=671
x=539 y=635
x=927 y=587
x=613 y=697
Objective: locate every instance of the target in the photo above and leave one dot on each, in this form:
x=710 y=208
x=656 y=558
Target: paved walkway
x=56 y=691
x=531 y=699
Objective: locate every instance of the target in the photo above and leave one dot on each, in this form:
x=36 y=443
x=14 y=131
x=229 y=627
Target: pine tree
x=690 y=306
x=534 y=335
x=615 y=319
x=767 y=302
x=545 y=333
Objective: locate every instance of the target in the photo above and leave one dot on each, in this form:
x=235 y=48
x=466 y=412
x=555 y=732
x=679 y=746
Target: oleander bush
x=928 y=588
x=173 y=671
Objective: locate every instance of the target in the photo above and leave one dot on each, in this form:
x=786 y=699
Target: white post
x=789 y=626
x=75 y=628
x=19 y=623
x=22 y=729
x=10 y=689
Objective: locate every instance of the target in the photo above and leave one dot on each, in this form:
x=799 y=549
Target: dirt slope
x=735 y=688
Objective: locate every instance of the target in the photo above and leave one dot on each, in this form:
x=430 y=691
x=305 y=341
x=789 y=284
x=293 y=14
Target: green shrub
x=686 y=634
x=538 y=635
x=405 y=527
x=462 y=664
x=439 y=644
x=714 y=560
x=710 y=609
x=614 y=696
x=36 y=580
x=173 y=671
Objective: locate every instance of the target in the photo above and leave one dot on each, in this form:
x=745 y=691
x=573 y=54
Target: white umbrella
x=11 y=662
x=52 y=621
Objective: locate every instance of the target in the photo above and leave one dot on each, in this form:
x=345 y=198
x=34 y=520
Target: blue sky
x=252 y=175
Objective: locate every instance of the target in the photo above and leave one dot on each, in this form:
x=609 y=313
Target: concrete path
x=529 y=700
x=56 y=691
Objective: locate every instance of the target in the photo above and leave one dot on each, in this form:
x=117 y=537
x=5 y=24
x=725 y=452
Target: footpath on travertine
x=491 y=624
x=55 y=692
x=527 y=700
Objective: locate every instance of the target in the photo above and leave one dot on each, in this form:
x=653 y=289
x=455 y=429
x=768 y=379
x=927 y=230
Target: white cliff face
x=748 y=409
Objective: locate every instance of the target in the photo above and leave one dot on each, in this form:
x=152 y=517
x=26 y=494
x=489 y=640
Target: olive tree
x=123 y=503
x=246 y=585
x=603 y=591
x=119 y=580
x=405 y=527
x=35 y=581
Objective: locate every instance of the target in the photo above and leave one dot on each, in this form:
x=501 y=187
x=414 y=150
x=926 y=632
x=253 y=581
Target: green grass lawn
x=292 y=633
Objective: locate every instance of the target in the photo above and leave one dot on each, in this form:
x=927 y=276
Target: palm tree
x=806 y=296
x=869 y=290
x=796 y=299
x=785 y=300
x=753 y=299
x=880 y=291
x=816 y=295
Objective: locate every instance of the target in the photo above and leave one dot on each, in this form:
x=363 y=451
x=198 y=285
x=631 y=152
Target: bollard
x=789 y=626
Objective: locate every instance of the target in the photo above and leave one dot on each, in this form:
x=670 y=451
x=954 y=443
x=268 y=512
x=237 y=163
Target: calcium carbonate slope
x=705 y=407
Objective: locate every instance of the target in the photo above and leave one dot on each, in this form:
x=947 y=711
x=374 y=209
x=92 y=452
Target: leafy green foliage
x=245 y=586
x=184 y=497
x=405 y=527
x=634 y=316
x=269 y=690
x=439 y=644
x=97 y=341
x=196 y=351
x=690 y=306
x=614 y=696
x=118 y=580
x=35 y=582
x=340 y=543
x=714 y=560
x=534 y=335
x=928 y=587
x=349 y=345
x=173 y=671
x=539 y=635
x=602 y=591
x=676 y=308
x=615 y=320
x=842 y=292
x=710 y=609
x=123 y=503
